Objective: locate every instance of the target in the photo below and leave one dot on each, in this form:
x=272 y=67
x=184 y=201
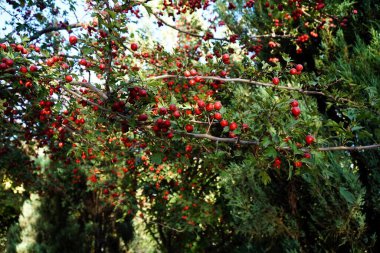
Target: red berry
x=218 y=116
x=277 y=163
x=186 y=73
x=134 y=47
x=83 y=62
x=296 y=111
x=143 y=117
x=224 y=123
x=309 y=139
x=201 y=104
x=307 y=155
x=294 y=103
x=193 y=72
x=188 y=148
x=23 y=69
x=293 y=71
x=33 y=68
x=172 y=108
x=225 y=57
x=209 y=107
x=299 y=67
x=163 y=111
x=189 y=128
x=298 y=164
x=276 y=80
x=233 y=126
x=73 y=40
x=177 y=114
x=217 y=105
x=68 y=78
x=9 y=62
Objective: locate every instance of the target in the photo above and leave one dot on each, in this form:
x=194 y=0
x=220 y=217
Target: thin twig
x=185 y=32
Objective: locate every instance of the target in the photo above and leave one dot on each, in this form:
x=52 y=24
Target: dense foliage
x=253 y=129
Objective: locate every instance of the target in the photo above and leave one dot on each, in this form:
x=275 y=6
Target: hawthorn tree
x=258 y=130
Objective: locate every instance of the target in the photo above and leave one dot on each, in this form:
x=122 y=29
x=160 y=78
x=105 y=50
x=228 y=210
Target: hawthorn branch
x=373 y=146
x=85 y=99
x=52 y=29
x=91 y=87
x=92 y=103
x=241 y=80
x=109 y=65
x=257 y=83
x=251 y=142
x=185 y=32
x=222 y=39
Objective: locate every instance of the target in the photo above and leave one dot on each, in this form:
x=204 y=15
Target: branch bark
x=91 y=87
x=241 y=80
x=257 y=83
x=251 y=142
x=52 y=29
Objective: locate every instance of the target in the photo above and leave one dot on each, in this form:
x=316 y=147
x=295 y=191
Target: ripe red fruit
x=9 y=62
x=217 y=105
x=163 y=111
x=134 y=46
x=294 y=103
x=218 y=116
x=277 y=163
x=83 y=62
x=224 y=123
x=307 y=155
x=296 y=111
x=33 y=68
x=276 y=80
x=209 y=107
x=193 y=72
x=143 y=117
x=172 y=108
x=309 y=139
x=201 y=104
x=188 y=148
x=23 y=69
x=197 y=111
x=298 y=164
x=299 y=67
x=233 y=126
x=177 y=114
x=68 y=78
x=73 y=40
x=225 y=58
x=186 y=73
x=293 y=71
x=189 y=128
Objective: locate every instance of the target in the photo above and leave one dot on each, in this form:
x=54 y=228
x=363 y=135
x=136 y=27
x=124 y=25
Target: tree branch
x=185 y=32
x=257 y=83
x=52 y=29
x=91 y=87
x=251 y=142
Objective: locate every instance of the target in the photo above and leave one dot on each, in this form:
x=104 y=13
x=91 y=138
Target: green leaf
x=157 y=158
x=270 y=152
x=265 y=178
x=348 y=196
